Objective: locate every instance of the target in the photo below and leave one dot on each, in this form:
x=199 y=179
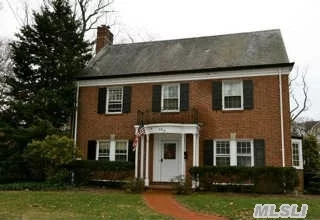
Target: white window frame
x=215 y=150
x=233 y=150
x=112 y=144
x=98 y=147
x=107 y=100
x=127 y=149
x=299 y=142
x=223 y=94
x=162 y=97
x=251 y=150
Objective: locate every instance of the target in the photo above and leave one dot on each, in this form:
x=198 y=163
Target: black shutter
x=126 y=99
x=217 y=95
x=131 y=153
x=259 y=153
x=208 y=153
x=156 y=98
x=184 y=97
x=91 y=154
x=247 y=94
x=102 y=97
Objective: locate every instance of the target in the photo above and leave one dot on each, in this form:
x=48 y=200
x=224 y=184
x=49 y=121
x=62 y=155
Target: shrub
x=182 y=186
x=135 y=186
x=86 y=170
x=263 y=179
x=49 y=155
x=33 y=186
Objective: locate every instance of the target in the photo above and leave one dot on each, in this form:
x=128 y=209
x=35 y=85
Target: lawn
x=240 y=206
x=94 y=204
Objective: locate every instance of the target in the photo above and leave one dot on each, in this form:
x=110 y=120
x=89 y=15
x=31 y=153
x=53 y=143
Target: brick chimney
x=104 y=37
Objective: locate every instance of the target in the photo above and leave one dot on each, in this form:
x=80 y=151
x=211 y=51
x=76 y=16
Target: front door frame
x=159 y=141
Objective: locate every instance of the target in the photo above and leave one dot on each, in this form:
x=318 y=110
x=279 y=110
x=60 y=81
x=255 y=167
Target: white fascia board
x=183 y=77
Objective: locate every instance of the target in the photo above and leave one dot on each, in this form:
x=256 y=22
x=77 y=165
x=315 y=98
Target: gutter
x=281 y=118
x=230 y=68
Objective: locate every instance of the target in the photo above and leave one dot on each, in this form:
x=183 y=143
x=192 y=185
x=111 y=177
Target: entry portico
x=169 y=151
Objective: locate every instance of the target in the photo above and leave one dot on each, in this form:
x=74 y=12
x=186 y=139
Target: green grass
x=76 y=204
x=240 y=206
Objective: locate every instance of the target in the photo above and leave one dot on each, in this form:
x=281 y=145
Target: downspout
x=76 y=118
x=281 y=118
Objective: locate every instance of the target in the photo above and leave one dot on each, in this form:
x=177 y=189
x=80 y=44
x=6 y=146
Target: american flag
x=141 y=131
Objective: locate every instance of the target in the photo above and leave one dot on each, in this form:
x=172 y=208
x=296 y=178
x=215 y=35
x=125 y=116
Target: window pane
x=295 y=154
x=170 y=91
x=232 y=88
x=121 y=147
x=169 y=151
x=244 y=161
x=114 y=107
x=222 y=147
x=223 y=161
x=115 y=94
x=232 y=101
x=244 y=147
x=170 y=104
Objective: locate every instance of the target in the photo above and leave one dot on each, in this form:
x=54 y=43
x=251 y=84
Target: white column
x=197 y=157
x=136 y=161
x=146 y=180
x=182 y=155
x=197 y=150
x=194 y=154
x=142 y=156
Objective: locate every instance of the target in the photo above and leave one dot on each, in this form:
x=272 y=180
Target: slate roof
x=241 y=50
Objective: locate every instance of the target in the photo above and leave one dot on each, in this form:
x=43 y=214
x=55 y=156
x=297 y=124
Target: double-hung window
x=222 y=152
x=297 y=161
x=114 y=150
x=232 y=95
x=170 y=98
x=121 y=152
x=233 y=152
x=104 y=150
x=244 y=153
x=114 y=100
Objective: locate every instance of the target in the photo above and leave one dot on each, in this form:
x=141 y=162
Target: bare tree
x=90 y=12
x=5 y=70
x=298 y=89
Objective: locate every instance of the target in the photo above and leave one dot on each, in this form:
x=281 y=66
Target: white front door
x=167 y=160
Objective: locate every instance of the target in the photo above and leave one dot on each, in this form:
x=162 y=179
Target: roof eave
x=276 y=65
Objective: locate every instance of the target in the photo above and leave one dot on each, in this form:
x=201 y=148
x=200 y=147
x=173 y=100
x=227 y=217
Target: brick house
x=218 y=100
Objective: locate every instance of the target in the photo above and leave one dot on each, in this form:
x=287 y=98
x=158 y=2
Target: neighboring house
x=217 y=100
x=315 y=130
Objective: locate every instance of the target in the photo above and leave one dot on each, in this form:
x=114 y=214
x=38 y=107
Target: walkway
x=164 y=203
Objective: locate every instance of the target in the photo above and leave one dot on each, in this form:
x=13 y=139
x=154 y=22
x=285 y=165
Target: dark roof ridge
x=200 y=37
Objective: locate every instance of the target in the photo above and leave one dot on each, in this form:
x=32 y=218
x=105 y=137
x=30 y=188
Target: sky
x=144 y=20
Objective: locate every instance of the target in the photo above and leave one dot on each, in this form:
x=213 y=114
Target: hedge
x=87 y=170
x=245 y=179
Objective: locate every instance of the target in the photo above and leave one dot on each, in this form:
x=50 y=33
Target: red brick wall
x=262 y=122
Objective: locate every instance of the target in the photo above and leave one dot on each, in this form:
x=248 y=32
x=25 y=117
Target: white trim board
x=184 y=77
